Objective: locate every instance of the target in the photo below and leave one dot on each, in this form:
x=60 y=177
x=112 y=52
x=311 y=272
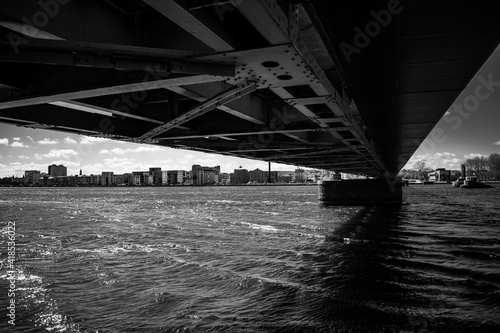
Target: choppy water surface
x=250 y=259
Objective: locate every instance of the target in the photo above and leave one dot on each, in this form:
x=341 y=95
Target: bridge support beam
x=360 y=192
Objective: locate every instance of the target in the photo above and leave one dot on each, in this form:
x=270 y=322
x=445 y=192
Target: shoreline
x=162 y=186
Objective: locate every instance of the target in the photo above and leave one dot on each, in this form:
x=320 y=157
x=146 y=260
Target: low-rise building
x=107 y=178
x=240 y=176
x=224 y=178
x=83 y=180
x=31 y=177
x=285 y=177
x=257 y=176
x=95 y=180
x=119 y=180
x=440 y=175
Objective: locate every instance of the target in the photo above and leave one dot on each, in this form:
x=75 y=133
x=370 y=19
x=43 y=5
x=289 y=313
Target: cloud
x=29 y=137
x=141 y=149
x=472 y=155
x=19 y=144
x=495 y=143
x=69 y=141
x=116 y=161
x=118 y=165
x=66 y=163
x=48 y=141
x=90 y=140
x=57 y=153
x=437 y=160
x=4 y=141
x=24 y=157
x=16 y=139
x=18 y=168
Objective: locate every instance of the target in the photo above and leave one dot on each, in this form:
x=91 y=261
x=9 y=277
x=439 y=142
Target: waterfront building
x=119 y=180
x=273 y=177
x=257 y=176
x=240 y=176
x=203 y=175
x=65 y=180
x=285 y=176
x=107 y=179
x=440 y=175
x=136 y=180
x=197 y=173
x=188 y=180
x=157 y=175
x=299 y=176
x=32 y=177
x=164 y=177
x=48 y=180
x=95 y=179
x=144 y=177
x=455 y=174
x=57 y=170
x=224 y=178
x=177 y=177
x=128 y=178
x=261 y=177
x=83 y=180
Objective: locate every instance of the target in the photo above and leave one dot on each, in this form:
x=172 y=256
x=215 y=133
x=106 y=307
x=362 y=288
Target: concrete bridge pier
x=360 y=192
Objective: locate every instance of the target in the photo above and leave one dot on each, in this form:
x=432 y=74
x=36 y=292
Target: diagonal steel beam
x=110 y=90
x=132 y=51
x=200 y=96
x=117 y=62
x=104 y=111
x=245 y=108
x=181 y=16
x=201 y=109
x=256 y=132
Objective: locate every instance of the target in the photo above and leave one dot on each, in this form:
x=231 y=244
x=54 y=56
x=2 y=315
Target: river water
x=248 y=259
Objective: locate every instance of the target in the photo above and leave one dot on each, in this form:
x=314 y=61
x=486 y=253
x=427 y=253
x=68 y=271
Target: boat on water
x=458 y=182
x=473 y=182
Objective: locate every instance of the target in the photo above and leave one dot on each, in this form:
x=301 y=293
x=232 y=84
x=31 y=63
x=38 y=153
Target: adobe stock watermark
x=372 y=29
x=33 y=27
x=11 y=272
x=458 y=112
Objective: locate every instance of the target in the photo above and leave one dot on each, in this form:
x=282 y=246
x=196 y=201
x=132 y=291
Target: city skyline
x=198 y=175
x=469 y=128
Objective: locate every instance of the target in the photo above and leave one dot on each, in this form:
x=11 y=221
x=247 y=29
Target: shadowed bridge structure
x=346 y=86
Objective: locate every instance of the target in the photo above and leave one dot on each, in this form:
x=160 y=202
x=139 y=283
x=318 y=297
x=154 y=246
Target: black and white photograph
x=249 y=166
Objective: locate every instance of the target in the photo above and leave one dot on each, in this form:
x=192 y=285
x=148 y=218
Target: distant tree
x=494 y=165
x=478 y=166
x=421 y=169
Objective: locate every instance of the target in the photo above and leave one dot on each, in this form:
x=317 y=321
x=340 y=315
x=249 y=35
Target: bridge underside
x=289 y=82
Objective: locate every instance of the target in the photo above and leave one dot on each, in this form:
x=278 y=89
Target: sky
x=471 y=127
